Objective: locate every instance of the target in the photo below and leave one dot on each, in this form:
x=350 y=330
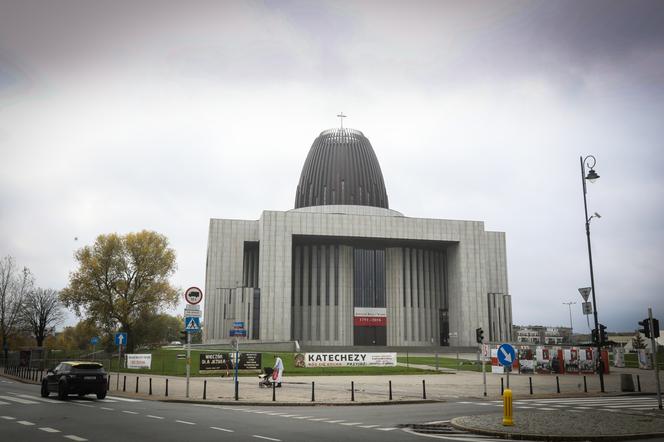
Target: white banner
x=376 y=312
x=350 y=359
x=139 y=361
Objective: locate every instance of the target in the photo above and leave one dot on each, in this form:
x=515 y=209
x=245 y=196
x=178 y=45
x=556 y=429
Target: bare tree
x=41 y=312
x=14 y=285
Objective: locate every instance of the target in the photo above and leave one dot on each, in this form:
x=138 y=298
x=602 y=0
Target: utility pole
x=571 y=327
x=653 y=342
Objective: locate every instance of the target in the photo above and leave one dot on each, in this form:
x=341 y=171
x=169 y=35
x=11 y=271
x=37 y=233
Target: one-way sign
x=121 y=338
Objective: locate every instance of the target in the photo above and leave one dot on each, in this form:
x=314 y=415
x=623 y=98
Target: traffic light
x=603 y=336
x=479 y=335
x=645 y=327
x=594 y=334
x=655 y=328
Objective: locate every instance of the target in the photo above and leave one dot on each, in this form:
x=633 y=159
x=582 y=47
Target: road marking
x=48 y=401
x=76 y=438
x=352 y=423
x=49 y=430
x=115 y=398
x=267 y=438
x=129 y=412
x=335 y=422
x=368 y=426
x=154 y=417
x=105 y=400
x=429 y=423
x=9 y=418
x=18 y=400
x=386 y=429
x=289 y=415
x=4 y=403
x=24 y=423
x=222 y=429
x=318 y=419
x=81 y=405
x=548 y=409
x=186 y=422
x=107 y=408
x=303 y=417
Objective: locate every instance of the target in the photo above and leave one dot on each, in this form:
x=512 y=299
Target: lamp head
x=592 y=176
x=597 y=215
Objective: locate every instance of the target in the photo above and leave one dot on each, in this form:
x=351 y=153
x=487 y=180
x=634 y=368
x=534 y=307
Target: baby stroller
x=266 y=377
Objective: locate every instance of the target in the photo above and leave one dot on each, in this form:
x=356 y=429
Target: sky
x=119 y=116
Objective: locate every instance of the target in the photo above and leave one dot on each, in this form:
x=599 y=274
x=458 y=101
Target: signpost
x=120 y=340
x=236 y=346
x=587 y=308
x=192 y=322
x=653 y=343
x=94 y=341
x=506 y=356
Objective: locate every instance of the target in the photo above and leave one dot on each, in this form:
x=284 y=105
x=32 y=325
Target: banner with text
x=224 y=361
x=350 y=359
x=370 y=316
x=139 y=361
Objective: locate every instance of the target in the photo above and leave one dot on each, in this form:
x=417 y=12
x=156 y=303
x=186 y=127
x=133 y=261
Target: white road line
x=432 y=423
x=129 y=412
x=107 y=408
x=318 y=419
x=115 y=398
x=185 y=422
x=223 y=429
x=76 y=438
x=81 y=405
x=548 y=409
x=303 y=417
x=9 y=418
x=24 y=423
x=266 y=438
x=334 y=422
x=18 y=400
x=386 y=429
x=524 y=407
x=351 y=423
x=290 y=415
x=49 y=430
x=105 y=400
x=154 y=417
x=48 y=401
x=368 y=426
x=4 y=403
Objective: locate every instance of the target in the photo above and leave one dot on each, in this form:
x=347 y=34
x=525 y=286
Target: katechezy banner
x=350 y=359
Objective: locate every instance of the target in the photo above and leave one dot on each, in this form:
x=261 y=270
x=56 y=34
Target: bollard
x=502 y=386
x=352 y=391
x=638 y=383
x=166 y=387
x=390 y=390
x=585 y=386
x=205 y=389
x=136 y=384
x=530 y=381
x=557 y=385
x=313 y=396
x=424 y=390
x=507 y=408
x=237 y=389
x=108 y=383
x=124 y=383
x=274 y=391
x=150 y=388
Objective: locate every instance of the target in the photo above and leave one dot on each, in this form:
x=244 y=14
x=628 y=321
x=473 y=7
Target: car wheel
x=44 y=389
x=101 y=394
x=62 y=391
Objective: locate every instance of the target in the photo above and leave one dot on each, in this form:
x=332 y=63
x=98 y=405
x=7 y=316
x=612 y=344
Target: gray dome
x=341 y=169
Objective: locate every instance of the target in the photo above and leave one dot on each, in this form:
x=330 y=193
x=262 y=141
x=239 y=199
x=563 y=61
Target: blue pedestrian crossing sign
x=192 y=324
x=506 y=355
x=121 y=338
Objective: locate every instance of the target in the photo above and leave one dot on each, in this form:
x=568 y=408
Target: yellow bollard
x=507 y=408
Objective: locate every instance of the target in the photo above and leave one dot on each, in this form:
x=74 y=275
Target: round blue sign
x=506 y=355
x=94 y=340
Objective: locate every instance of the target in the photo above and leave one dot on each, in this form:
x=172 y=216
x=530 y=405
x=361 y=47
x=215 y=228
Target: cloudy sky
x=117 y=116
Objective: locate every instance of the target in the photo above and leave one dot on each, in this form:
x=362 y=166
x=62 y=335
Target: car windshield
x=87 y=368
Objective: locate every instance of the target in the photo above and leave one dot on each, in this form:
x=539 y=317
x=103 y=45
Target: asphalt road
x=25 y=416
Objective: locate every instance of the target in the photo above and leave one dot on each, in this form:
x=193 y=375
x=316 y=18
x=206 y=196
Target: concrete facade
x=442 y=280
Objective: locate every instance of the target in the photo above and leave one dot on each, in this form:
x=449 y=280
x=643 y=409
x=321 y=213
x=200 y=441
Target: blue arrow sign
x=94 y=340
x=192 y=324
x=506 y=355
x=121 y=338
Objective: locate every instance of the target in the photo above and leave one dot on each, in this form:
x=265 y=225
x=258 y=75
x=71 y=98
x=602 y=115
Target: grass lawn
x=444 y=362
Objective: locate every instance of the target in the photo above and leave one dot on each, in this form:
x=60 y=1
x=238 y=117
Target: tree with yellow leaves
x=121 y=279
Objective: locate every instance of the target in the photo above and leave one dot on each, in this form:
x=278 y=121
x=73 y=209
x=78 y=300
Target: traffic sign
x=192 y=313
x=94 y=340
x=193 y=295
x=192 y=324
x=585 y=292
x=121 y=338
x=587 y=308
x=506 y=355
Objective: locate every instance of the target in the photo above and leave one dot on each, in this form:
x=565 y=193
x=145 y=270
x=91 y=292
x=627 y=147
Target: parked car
x=75 y=378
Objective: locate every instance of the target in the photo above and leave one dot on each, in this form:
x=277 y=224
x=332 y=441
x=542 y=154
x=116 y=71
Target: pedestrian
x=278 y=370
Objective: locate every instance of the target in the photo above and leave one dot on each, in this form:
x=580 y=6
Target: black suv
x=75 y=378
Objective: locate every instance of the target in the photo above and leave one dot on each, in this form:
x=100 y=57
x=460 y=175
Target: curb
x=300 y=404
x=553 y=437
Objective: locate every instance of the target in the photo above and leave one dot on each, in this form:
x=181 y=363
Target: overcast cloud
x=117 y=116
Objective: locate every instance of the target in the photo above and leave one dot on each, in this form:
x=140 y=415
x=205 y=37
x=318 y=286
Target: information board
x=224 y=361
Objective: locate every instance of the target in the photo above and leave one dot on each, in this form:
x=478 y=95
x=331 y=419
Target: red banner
x=370 y=321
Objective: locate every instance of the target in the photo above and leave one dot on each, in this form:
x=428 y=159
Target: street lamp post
x=571 y=327
x=592 y=176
